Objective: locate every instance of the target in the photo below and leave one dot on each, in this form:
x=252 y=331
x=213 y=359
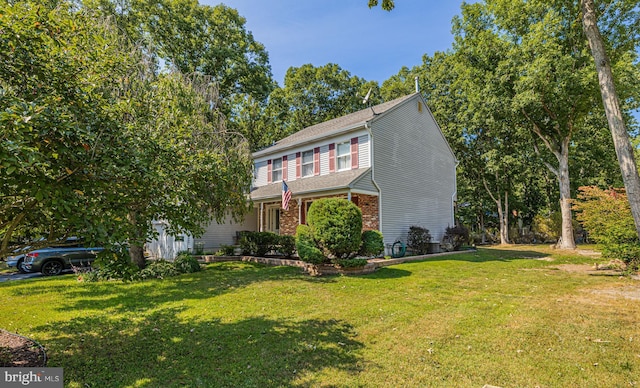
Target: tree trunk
x=624 y=149
x=136 y=250
x=483 y=230
x=502 y=215
x=567 y=241
x=504 y=221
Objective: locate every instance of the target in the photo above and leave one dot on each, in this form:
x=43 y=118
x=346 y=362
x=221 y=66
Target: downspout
x=373 y=177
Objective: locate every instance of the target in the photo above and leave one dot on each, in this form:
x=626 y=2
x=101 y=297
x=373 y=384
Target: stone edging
x=319 y=270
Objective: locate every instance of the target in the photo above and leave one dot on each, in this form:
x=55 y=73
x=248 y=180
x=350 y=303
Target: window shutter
x=298 y=165
x=332 y=157
x=285 y=168
x=316 y=161
x=269 y=171
x=354 y=153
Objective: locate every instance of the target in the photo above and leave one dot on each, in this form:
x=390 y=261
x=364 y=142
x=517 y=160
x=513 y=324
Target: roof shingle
x=333 y=126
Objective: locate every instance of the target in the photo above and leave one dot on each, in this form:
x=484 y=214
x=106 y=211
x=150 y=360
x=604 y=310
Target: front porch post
x=261 y=226
x=299 y=211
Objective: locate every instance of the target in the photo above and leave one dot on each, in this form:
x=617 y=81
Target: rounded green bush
x=336 y=226
x=185 y=263
x=307 y=250
x=372 y=243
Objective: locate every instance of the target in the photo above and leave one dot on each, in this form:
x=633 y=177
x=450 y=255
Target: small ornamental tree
x=336 y=226
x=418 y=240
x=606 y=215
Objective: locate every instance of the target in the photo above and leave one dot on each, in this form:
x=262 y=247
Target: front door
x=273 y=219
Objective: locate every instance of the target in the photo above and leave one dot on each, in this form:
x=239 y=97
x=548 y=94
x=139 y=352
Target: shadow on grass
x=160 y=349
x=482 y=255
x=116 y=297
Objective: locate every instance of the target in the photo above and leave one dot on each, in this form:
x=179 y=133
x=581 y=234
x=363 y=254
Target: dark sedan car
x=52 y=261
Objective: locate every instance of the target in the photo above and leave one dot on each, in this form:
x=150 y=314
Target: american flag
x=286 y=196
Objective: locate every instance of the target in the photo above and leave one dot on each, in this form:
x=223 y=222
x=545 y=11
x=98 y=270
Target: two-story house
x=391 y=160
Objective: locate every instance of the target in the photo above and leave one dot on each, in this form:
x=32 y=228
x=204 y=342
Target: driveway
x=18 y=276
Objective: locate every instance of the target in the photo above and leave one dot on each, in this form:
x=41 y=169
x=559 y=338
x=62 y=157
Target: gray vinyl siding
x=415 y=170
x=223 y=234
x=365 y=184
x=363 y=151
x=260 y=174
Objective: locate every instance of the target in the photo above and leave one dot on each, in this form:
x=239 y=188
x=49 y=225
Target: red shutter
x=354 y=153
x=316 y=161
x=298 y=166
x=269 y=171
x=285 y=168
x=332 y=157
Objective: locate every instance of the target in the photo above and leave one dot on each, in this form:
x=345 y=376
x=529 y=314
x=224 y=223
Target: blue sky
x=370 y=43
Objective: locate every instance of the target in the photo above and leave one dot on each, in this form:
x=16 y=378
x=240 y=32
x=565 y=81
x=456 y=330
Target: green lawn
x=496 y=316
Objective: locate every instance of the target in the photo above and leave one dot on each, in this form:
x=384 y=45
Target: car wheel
x=20 y=267
x=50 y=268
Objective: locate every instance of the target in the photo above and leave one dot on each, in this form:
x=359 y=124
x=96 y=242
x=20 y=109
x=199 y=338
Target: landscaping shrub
x=159 y=269
x=418 y=240
x=112 y=264
x=336 y=226
x=287 y=245
x=186 y=263
x=457 y=236
x=258 y=243
x=227 y=250
x=306 y=247
x=372 y=243
x=606 y=215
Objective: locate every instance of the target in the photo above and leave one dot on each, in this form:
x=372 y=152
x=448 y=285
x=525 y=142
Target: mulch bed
x=19 y=351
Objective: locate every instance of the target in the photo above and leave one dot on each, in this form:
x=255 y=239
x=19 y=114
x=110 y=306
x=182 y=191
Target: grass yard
x=496 y=316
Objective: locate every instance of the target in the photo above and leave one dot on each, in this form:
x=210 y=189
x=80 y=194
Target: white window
x=343 y=155
x=307 y=163
x=276 y=170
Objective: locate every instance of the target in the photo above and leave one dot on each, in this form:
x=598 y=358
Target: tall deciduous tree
x=624 y=149
x=312 y=95
x=96 y=143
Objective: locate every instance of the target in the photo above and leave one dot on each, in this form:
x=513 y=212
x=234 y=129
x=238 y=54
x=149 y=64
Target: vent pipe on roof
x=417 y=86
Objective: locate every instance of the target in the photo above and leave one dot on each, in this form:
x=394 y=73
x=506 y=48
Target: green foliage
x=261 y=243
x=158 y=269
x=336 y=226
x=457 y=236
x=186 y=263
x=112 y=264
x=606 y=216
x=258 y=243
x=312 y=95
x=286 y=245
x=99 y=144
x=418 y=240
x=306 y=246
x=548 y=227
x=372 y=243
x=227 y=250
x=350 y=263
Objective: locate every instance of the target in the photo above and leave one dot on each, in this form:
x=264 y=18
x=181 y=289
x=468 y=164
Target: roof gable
x=333 y=127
